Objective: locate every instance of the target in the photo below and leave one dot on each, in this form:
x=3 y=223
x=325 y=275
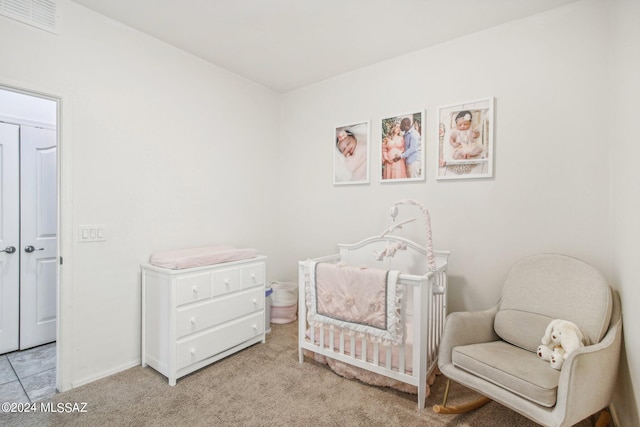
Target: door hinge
x=60 y=260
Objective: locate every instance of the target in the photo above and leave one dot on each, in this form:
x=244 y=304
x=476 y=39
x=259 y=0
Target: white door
x=9 y=237
x=38 y=228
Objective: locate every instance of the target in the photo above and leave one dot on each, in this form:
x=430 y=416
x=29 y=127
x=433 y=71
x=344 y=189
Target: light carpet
x=263 y=385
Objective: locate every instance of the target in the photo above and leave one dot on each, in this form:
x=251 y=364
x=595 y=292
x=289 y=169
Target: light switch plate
x=92 y=233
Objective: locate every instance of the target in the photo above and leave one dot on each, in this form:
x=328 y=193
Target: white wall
x=551 y=187
x=625 y=89
x=164 y=149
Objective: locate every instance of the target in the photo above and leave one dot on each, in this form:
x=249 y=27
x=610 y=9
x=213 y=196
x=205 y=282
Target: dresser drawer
x=197 y=317
x=193 y=287
x=217 y=340
x=252 y=275
x=225 y=281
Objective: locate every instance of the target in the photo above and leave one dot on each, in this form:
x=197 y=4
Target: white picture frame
x=402 y=158
x=465 y=147
x=351 y=159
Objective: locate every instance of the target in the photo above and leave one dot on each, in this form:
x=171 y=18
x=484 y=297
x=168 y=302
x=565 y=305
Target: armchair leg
x=460 y=409
x=604 y=418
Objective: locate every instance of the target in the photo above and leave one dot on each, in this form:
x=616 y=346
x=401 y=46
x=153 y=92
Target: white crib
x=423 y=312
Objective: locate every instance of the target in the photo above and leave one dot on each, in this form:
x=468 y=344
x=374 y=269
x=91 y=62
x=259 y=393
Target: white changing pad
x=198 y=257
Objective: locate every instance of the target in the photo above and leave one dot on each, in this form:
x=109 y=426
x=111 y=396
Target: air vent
x=39 y=13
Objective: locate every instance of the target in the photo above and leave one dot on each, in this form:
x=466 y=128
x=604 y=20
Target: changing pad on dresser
x=198 y=257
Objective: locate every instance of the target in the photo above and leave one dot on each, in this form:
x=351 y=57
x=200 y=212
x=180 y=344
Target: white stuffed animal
x=560 y=339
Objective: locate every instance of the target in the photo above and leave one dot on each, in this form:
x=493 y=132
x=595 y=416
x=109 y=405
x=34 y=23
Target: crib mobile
x=397 y=345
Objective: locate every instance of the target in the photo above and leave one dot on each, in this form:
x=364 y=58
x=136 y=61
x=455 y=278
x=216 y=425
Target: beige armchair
x=494 y=352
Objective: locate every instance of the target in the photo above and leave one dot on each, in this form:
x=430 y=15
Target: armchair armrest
x=464 y=328
x=589 y=374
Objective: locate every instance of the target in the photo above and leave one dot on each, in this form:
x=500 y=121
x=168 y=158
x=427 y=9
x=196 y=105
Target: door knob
x=9 y=249
x=29 y=249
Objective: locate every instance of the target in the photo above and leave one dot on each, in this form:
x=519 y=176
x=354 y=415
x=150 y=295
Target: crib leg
x=460 y=409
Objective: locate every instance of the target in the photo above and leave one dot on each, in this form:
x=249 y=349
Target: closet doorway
x=28 y=220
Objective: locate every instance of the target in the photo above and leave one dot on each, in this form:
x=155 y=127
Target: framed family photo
x=465 y=140
x=402 y=154
x=351 y=154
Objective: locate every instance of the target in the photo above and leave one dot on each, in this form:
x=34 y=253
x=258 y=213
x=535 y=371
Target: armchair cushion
x=544 y=287
x=510 y=367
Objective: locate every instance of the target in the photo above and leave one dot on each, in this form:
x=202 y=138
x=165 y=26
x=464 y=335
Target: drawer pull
x=255 y=301
x=255 y=327
x=193 y=320
x=253 y=276
x=226 y=283
x=195 y=290
x=193 y=351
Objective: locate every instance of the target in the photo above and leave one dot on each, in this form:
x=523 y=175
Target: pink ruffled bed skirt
x=351 y=372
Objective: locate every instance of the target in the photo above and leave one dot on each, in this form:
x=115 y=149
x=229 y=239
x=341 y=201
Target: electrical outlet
x=92 y=233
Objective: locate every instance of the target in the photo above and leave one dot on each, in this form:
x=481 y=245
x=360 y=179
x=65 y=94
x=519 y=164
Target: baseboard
x=105 y=374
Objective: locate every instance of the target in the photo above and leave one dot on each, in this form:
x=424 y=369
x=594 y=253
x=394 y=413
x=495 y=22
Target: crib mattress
x=199 y=257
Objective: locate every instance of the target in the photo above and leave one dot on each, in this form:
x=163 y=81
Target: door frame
x=64 y=248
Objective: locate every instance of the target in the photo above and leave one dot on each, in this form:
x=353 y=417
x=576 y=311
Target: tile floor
x=28 y=376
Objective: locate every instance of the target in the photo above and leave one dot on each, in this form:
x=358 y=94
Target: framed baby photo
x=351 y=154
x=402 y=151
x=465 y=140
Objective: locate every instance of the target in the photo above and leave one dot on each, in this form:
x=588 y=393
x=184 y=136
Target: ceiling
x=288 y=44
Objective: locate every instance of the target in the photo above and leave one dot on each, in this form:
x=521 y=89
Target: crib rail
x=412 y=360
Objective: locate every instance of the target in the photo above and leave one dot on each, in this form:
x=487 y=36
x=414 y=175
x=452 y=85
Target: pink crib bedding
x=358 y=299
x=199 y=257
x=364 y=306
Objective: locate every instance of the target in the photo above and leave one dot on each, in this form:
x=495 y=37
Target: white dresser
x=196 y=316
